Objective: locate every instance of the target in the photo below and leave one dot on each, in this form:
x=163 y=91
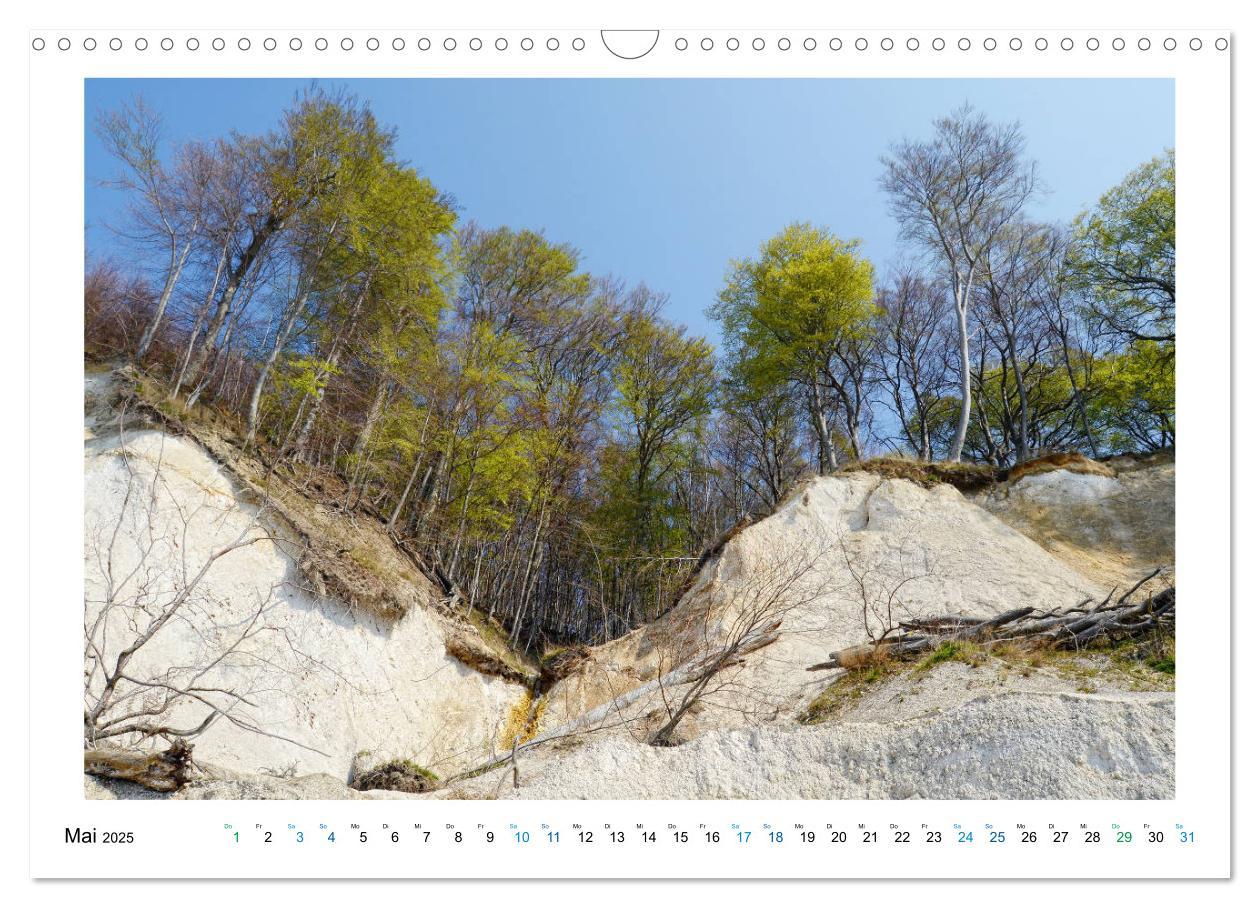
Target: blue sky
x=664 y=181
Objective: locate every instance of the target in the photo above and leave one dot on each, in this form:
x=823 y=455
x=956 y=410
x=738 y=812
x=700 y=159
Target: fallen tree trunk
x=1068 y=628
x=168 y=770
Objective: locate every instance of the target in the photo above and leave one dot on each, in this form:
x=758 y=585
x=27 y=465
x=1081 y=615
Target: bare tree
x=756 y=443
x=877 y=582
x=168 y=204
x=1016 y=267
x=730 y=621
x=954 y=193
x=914 y=363
x=225 y=210
x=851 y=372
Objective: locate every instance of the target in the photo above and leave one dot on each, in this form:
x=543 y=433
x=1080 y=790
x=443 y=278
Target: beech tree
x=1016 y=265
x=757 y=439
x=323 y=146
x=662 y=381
x=803 y=312
x=1122 y=266
x=1124 y=254
x=954 y=193
x=914 y=362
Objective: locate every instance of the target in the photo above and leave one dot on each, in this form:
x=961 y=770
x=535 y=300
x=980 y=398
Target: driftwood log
x=1068 y=628
x=167 y=770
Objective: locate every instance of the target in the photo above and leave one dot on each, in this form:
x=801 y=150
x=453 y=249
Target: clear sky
x=664 y=181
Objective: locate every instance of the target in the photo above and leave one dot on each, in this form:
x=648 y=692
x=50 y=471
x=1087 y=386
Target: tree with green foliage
x=662 y=381
x=802 y=312
x=1135 y=401
x=1124 y=254
x=1122 y=266
x=340 y=236
x=548 y=447
x=321 y=154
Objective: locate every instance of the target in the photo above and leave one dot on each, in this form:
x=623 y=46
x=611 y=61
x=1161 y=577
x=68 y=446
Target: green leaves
x=663 y=381
x=1136 y=400
x=1123 y=266
x=788 y=315
x=788 y=309
x=1124 y=254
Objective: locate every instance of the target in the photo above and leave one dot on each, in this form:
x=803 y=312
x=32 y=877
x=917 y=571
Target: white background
x=1203 y=215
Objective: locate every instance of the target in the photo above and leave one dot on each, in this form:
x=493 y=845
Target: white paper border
x=185 y=838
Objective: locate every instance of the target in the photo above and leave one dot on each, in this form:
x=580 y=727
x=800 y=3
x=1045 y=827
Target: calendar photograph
x=763 y=439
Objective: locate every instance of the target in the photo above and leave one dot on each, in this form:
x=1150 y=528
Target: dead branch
x=1073 y=628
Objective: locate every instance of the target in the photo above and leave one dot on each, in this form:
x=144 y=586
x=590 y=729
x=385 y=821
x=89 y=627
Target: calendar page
x=554 y=450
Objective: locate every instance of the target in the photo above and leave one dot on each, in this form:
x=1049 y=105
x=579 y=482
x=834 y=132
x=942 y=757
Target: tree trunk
x=925 y=441
x=962 y=292
x=237 y=277
x=1077 y=397
x=178 y=381
x=415 y=472
x=361 y=446
x=166 y=771
x=222 y=355
x=373 y=416
x=1021 y=434
x=334 y=357
x=406 y=492
x=430 y=490
x=172 y=278
x=283 y=330
x=826 y=450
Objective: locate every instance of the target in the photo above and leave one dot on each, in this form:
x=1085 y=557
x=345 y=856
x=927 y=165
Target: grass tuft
x=844 y=691
x=966 y=477
x=951 y=651
x=1147 y=664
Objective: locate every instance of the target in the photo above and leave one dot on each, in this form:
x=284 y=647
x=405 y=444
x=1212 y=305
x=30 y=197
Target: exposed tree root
x=168 y=770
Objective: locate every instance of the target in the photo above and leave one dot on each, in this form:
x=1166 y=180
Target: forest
x=547 y=438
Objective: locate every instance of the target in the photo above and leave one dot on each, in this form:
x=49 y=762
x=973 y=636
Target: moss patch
x=558 y=664
x=396 y=775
